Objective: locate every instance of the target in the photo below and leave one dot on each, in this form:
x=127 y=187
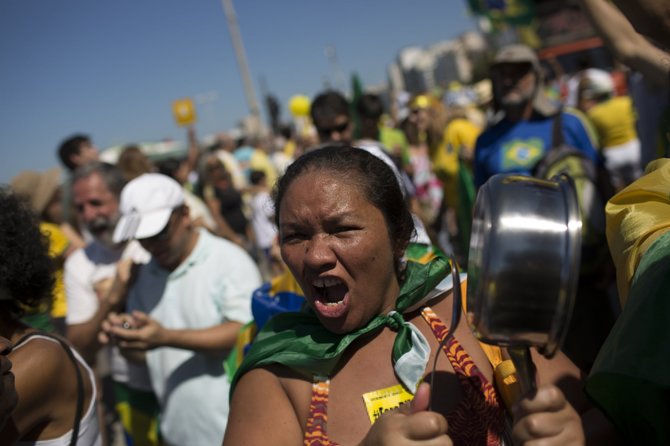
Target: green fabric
x=466 y=204
x=394 y=139
x=630 y=379
x=230 y=365
x=300 y=342
x=356 y=94
x=139 y=414
x=41 y=321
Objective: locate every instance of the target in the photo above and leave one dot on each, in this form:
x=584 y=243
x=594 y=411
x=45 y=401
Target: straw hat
x=37 y=187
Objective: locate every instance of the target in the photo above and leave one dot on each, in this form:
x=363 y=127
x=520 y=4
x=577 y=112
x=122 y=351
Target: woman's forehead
x=321 y=186
x=325 y=193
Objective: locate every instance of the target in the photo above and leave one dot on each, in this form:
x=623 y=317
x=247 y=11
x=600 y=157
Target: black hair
x=169 y=166
x=370 y=108
x=256 y=176
x=286 y=131
x=327 y=106
x=111 y=175
x=71 y=146
x=375 y=180
x=26 y=270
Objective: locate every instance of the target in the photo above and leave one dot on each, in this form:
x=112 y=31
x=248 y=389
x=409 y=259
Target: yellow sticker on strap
x=383 y=400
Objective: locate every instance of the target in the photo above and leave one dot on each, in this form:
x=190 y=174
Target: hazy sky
x=112 y=68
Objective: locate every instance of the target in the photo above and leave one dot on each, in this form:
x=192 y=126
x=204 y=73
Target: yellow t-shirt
x=614 y=121
x=58 y=244
x=260 y=161
x=459 y=135
x=636 y=216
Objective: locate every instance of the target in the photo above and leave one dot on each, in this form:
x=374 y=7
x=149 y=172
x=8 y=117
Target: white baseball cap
x=146 y=205
x=596 y=82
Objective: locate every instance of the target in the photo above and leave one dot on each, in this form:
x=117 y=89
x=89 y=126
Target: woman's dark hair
x=375 y=179
x=26 y=270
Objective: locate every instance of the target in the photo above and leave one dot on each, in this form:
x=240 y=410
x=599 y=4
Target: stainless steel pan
x=523 y=265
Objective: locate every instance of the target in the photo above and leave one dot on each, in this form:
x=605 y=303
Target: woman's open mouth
x=331 y=296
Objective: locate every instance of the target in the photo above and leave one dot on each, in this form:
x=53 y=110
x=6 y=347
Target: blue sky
x=112 y=68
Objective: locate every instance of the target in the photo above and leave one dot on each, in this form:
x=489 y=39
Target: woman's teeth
x=323 y=282
x=329 y=290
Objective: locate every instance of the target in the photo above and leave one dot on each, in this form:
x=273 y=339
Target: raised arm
x=626 y=43
x=193 y=153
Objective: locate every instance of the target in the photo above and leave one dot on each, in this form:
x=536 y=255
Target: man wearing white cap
x=185 y=309
x=613 y=118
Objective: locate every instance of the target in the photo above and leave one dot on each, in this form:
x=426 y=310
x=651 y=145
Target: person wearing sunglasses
x=331 y=117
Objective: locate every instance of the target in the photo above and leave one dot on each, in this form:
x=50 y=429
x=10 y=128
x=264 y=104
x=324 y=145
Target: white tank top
x=89 y=430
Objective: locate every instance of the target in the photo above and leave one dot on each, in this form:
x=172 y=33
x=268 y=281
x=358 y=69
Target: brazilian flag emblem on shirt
x=522 y=153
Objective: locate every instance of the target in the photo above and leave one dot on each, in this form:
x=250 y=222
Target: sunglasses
x=337 y=128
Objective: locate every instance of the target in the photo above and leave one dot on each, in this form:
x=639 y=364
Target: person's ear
x=186 y=216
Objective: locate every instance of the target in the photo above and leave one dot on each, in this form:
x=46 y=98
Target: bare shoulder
x=261 y=404
x=41 y=383
x=38 y=363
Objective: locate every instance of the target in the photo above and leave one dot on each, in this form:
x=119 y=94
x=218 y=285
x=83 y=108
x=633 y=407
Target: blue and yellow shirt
x=508 y=147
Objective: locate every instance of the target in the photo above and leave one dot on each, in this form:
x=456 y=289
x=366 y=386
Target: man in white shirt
x=95 y=280
x=185 y=309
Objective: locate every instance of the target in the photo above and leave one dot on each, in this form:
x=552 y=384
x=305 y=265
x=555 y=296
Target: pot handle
x=456 y=309
x=525 y=370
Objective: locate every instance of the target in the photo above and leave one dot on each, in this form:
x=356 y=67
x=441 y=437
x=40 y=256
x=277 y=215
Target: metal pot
x=524 y=261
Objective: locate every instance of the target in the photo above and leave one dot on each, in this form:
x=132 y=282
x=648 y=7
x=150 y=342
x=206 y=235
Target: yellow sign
x=184 y=111
x=383 y=400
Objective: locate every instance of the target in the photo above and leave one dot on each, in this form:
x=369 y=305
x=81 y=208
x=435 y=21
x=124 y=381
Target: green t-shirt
x=630 y=379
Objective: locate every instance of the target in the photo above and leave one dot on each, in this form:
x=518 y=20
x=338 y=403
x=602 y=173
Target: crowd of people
x=129 y=291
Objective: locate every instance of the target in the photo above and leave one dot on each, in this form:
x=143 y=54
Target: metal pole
x=241 y=57
x=338 y=79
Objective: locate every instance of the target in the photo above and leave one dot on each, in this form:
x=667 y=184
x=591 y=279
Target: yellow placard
x=184 y=111
x=383 y=400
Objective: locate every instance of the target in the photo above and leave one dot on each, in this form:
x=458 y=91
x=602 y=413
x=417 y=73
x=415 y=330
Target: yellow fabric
x=635 y=216
x=395 y=141
x=139 y=414
x=58 y=244
x=260 y=161
x=138 y=425
x=506 y=383
x=614 y=121
x=285 y=282
x=504 y=372
x=460 y=134
x=244 y=337
x=289 y=149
